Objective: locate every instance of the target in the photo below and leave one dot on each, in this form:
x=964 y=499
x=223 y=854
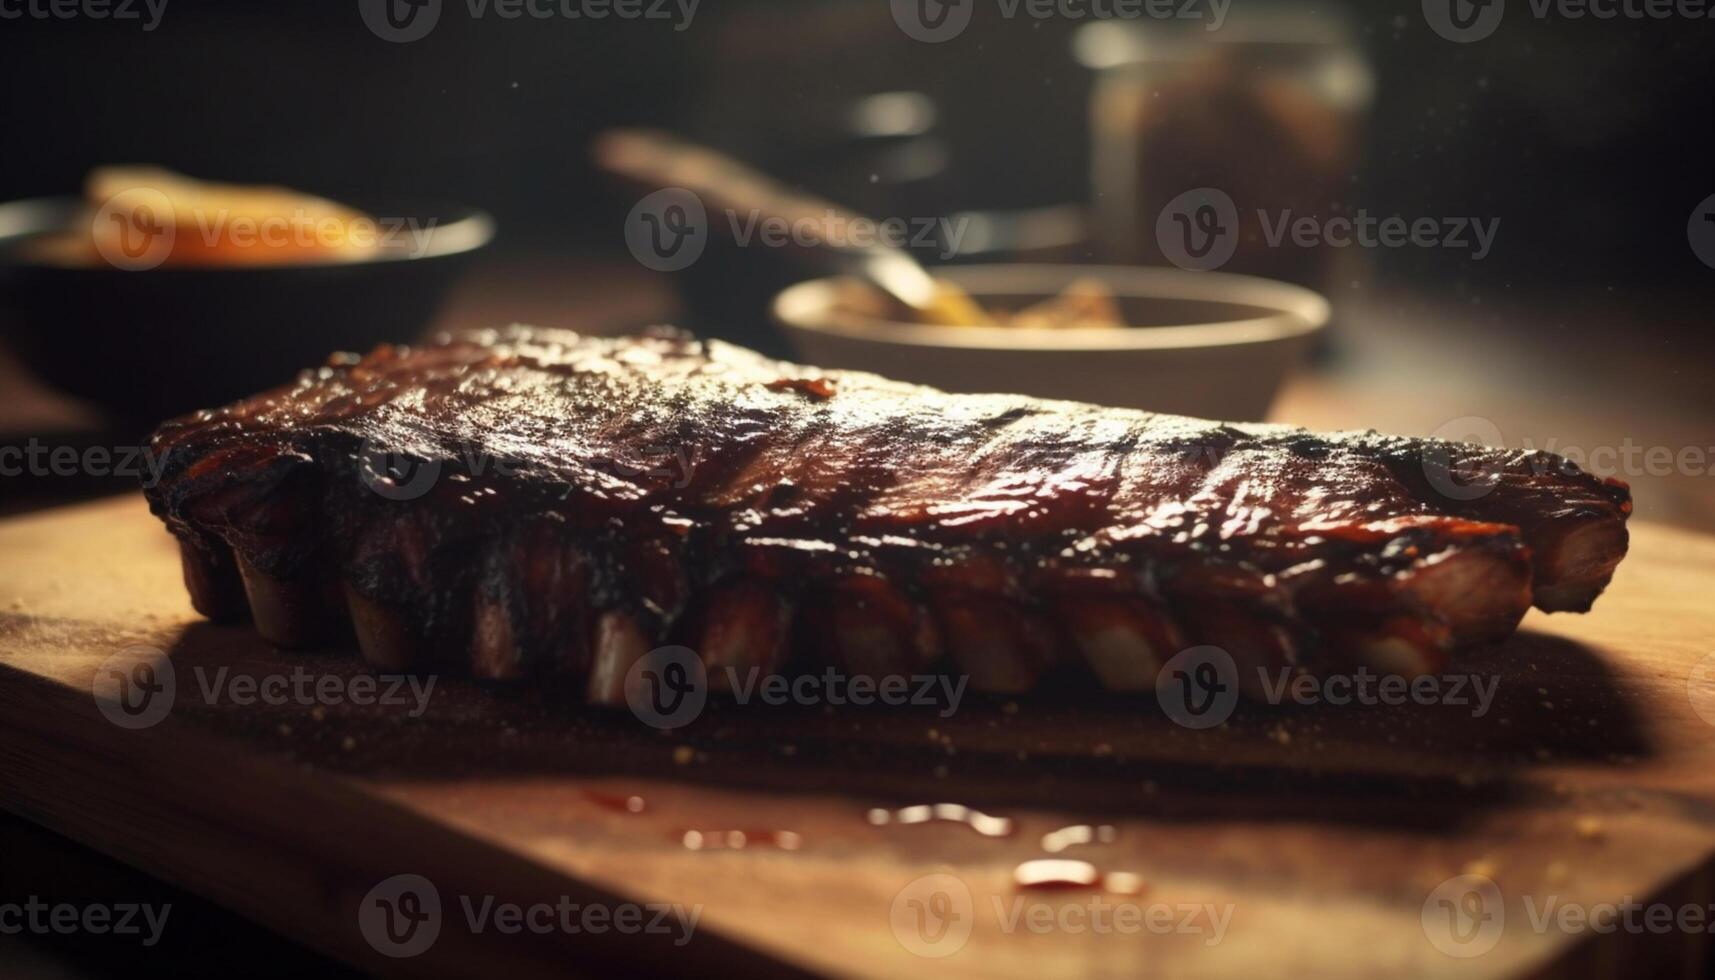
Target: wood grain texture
x=1590 y=779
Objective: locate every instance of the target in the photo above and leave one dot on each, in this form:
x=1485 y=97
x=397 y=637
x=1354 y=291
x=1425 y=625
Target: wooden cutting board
x=1316 y=837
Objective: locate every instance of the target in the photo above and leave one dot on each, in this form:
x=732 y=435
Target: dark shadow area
x=196 y=938
x=1422 y=766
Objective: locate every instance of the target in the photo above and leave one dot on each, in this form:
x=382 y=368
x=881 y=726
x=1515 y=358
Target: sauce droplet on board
x=819 y=389
x=617 y=802
x=735 y=840
x=982 y=823
x=1123 y=883
x=1057 y=873
x=1058 y=840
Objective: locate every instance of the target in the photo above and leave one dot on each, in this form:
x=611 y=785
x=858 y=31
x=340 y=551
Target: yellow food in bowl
x=143 y=217
x=1082 y=303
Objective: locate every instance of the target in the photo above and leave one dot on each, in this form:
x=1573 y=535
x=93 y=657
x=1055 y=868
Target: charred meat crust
x=531 y=501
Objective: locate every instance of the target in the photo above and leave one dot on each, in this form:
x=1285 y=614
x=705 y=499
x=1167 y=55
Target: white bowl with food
x=1206 y=344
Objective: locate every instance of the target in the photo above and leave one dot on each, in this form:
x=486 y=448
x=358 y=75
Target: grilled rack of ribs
x=532 y=502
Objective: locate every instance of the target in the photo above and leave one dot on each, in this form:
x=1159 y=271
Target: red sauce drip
x=735 y=840
x=1081 y=833
x=821 y=389
x=1054 y=874
x=617 y=802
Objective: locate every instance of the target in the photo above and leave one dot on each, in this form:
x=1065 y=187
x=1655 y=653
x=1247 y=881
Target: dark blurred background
x=1589 y=140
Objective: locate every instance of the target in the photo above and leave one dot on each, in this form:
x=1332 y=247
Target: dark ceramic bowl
x=145 y=345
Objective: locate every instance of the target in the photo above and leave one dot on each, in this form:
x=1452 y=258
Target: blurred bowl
x=145 y=345
x=1205 y=344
